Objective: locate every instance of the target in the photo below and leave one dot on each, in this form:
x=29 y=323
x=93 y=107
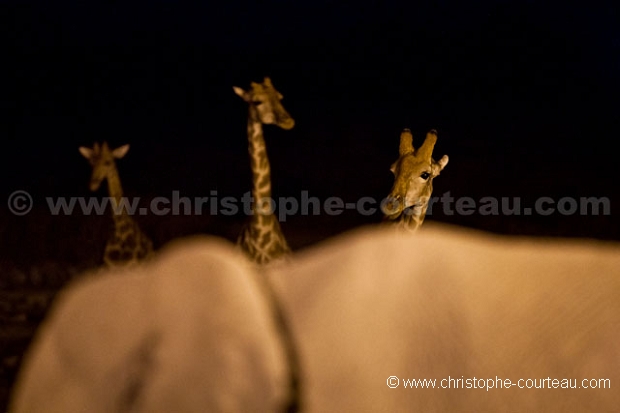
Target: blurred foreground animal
x=191 y=331
x=369 y=311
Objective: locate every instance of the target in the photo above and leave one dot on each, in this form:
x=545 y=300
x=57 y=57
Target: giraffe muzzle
x=393 y=207
x=397 y=206
x=287 y=123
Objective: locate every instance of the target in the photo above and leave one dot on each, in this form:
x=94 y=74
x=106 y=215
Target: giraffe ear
x=393 y=168
x=86 y=152
x=438 y=166
x=242 y=93
x=120 y=151
x=443 y=162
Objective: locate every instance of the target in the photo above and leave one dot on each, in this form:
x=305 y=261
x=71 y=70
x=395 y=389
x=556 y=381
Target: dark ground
x=524 y=97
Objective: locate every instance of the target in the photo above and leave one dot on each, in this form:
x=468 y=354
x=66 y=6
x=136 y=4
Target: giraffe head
x=101 y=158
x=414 y=172
x=265 y=99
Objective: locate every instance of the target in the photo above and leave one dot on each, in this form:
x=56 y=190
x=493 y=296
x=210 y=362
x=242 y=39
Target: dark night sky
x=524 y=96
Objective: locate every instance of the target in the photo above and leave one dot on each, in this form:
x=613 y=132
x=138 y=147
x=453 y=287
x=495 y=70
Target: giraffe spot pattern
x=128 y=244
x=262 y=244
x=265 y=181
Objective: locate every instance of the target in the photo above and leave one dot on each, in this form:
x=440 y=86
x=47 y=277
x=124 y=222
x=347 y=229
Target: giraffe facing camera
x=414 y=172
x=128 y=245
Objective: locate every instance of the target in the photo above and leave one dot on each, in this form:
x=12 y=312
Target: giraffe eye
x=256 y=102
x=425 y=175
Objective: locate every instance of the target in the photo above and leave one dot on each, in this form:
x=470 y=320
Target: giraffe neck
x=115 y=191
x=412 y=220
x=127 y=245
x=262 y=238
x=261 y=170
x=416 y=221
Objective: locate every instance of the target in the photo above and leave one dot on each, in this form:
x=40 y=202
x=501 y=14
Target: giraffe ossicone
x=414 y=171
x=262 y=238
x=128 y=245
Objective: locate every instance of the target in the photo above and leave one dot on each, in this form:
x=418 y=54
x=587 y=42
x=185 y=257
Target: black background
x=524 y=97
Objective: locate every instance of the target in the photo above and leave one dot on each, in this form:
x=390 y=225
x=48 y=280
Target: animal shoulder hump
x=196 y=310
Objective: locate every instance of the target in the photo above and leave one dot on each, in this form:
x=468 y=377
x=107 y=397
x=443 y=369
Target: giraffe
x=128 y=245
x=414 y=172
x=262 y=237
